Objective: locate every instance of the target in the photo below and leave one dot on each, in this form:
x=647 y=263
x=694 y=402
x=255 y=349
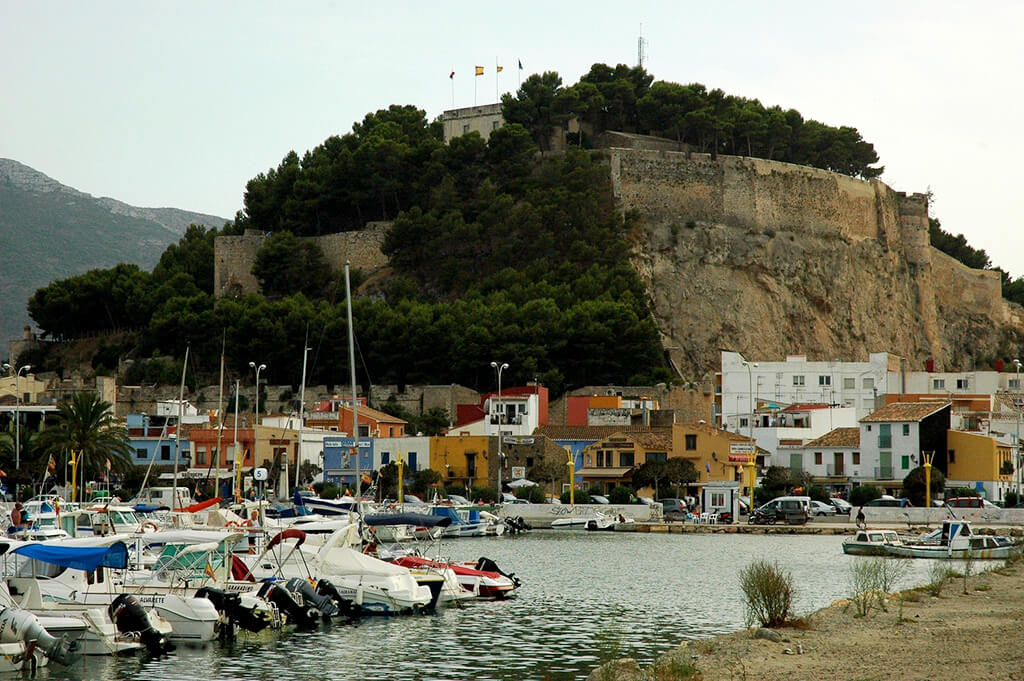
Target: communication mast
x=641 y=48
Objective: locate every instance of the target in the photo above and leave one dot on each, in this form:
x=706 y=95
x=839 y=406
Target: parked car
x=791 y=510
x=673 y=509
x=820 y=508
x=599 y=499
x=842 y=506
x=889 y=502
x=969 y=502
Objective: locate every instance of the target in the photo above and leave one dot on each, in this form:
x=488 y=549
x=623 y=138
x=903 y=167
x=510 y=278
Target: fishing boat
x=871 y=542
x=957 y=540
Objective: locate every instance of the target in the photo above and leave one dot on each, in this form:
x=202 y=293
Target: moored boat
x=957 y=540
x=871 y=542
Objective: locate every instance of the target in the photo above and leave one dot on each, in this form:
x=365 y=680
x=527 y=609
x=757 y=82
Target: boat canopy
x=78 y=557
x=415 y=519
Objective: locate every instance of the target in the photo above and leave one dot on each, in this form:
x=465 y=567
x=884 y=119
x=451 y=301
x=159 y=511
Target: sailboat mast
x=177 y=436
x=237 y=473
x=355 y=396
x=220 y=416
x=302 y=407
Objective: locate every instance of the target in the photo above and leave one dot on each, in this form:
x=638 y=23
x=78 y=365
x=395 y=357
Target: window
x=691 y=442
x=961 y=384
x=600 y=459
x=798 y=380
x=495 y=124
x=868 y=382
x=385 y=458
x=952 y=456
x=849 y=383
x=411 y=459
x=1014 y=384
x=884 y=435
x=856 y=458
x=796 y=462
x=165 y=452
x=200 y=456
x=717 y=499
x=938 y=384
x=587 y=460
x=657 y=456
x=817 y=458
x=626 y=459
x=529 y=461
x=824 y=380
x=869 y=427
x=905 y=460
x=744 y=421
x=140 y=453
x=465 y=129
x=906 y=429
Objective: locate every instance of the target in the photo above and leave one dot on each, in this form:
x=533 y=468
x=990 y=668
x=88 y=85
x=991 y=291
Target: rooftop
x=904 y=412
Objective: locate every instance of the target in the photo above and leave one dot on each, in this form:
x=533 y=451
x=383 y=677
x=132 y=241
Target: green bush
x=329 y=491
x=862 y=494
x=767 y=592
x=535 y=494
x=1011 y=500
x=488 y=495
x=620 y=495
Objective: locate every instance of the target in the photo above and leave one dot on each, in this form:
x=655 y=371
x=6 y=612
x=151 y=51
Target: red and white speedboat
x=481 y=578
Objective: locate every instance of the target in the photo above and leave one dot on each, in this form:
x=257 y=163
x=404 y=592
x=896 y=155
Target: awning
x=604 y=472
x=77 y=557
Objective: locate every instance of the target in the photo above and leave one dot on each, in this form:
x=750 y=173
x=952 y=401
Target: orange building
x=336 y=415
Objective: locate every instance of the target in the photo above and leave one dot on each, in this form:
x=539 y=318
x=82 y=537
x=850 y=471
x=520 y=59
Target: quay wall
x=541 y=516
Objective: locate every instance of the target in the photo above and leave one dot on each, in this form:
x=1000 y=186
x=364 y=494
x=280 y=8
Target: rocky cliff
x=769 y=259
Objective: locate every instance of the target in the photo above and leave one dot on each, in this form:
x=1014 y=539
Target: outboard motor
x=21 y=625
x=325 y=604
x=346 y=606
x=229 y=604
x=297 y=613
x=488 y=565
x=130 y=618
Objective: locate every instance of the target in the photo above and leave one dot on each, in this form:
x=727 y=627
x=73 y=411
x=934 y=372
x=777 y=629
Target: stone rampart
x=234 y=256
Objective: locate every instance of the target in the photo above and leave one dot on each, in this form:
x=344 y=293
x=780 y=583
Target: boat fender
x=17 y=625
x=346 y=606
x=230 y=605
x=130 y=618
x=324 y=604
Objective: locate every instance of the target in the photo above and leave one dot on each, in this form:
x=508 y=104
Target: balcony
x=884 y=473
x=834 y=471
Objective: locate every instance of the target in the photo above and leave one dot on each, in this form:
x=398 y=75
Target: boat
x=957 y=540
x=466 y=523
x=575 y=522
x=606 y=523
x=482 y=578
x=871 y=542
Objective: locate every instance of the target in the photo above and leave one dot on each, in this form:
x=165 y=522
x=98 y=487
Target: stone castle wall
x=234 y=256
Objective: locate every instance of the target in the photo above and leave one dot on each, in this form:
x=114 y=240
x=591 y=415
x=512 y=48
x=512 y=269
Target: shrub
x=488 y=495
x=871 y=579
x=862 y=494
x=535 y=494
x=620 y=495
x=938 y=573
x=768 y=592
x=1011 y=500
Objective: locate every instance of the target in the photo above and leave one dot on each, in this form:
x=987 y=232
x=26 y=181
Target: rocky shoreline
x=917 y=636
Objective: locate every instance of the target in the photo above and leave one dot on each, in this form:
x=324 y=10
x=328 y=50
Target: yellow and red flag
x=479 y=71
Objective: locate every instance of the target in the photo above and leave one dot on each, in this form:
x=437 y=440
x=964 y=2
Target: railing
x=883 y=473
x=832 y=470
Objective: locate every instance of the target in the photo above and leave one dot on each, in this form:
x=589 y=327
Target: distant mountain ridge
x=51 y=231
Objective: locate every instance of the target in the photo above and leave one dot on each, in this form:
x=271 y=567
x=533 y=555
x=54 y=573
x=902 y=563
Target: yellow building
x=716 y=454
x=611 y=461
x=979 y=462
x=464 y=460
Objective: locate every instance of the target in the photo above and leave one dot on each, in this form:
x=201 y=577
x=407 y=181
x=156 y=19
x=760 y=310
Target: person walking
x=861 y=524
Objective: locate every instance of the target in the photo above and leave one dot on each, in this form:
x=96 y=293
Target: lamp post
x=17 y=412
x=499 y=368
x=255 y=413
x=753 y=448
x=1016 y=442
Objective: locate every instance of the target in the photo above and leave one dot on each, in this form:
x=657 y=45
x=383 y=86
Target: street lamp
x=750 y=424
x=17 y=412
x=255 y=412
x=499 y=368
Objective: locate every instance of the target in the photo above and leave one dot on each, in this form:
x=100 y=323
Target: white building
x=414 y=451
x=793 y=425
x=483 y=119
x=832 y=460
x=516 y=415
x=892 y=439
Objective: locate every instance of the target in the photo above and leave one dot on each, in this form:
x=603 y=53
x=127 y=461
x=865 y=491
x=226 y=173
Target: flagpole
x=452 y=79
x=497 y=98
x=475 y=76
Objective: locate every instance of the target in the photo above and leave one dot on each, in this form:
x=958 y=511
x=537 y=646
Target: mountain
x=50 y=231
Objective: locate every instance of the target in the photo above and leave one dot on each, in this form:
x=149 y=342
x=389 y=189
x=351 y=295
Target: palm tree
x=87 y=425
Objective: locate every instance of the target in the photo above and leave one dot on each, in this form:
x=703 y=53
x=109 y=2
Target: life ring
x=231 y=523
x=246 y=523
x=149 y=523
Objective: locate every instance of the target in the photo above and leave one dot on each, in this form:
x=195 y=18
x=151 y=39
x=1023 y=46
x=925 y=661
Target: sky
x=181 y=103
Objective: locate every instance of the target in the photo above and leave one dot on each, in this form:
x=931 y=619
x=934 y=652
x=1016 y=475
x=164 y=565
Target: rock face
x=769 y=259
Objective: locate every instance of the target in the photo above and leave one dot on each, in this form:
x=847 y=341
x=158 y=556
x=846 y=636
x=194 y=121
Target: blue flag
x=520 y=64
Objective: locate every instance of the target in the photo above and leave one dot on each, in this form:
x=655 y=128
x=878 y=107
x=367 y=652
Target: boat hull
x=944 y=552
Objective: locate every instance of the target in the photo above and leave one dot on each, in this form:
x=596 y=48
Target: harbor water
x=586 y=598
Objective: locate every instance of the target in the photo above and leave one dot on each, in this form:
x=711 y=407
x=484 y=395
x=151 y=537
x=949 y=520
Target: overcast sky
x=180 y=103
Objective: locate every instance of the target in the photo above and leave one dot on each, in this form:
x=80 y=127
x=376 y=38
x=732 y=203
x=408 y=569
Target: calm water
x=586 y=597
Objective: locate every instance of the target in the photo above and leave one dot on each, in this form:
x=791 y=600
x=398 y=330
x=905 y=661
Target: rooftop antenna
x=641 y=48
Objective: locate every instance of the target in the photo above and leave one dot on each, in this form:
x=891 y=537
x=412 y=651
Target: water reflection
x=587 y=597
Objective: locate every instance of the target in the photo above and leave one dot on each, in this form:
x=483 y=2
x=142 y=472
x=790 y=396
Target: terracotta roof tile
x=840 y=437
x=592 y=432
x=904 y=412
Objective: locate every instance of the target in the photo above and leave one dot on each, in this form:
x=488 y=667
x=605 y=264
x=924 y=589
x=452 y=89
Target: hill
x=51 y=231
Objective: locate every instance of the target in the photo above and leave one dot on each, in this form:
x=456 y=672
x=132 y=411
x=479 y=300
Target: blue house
x=340 y=460
x=154 y=440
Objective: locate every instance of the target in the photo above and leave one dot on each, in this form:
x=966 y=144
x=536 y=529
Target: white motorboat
x=376 y=586
x=871 y=542
x=957 y=540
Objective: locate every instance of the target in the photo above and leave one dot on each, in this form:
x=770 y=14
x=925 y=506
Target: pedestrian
x=861 y=520
x=17 y=517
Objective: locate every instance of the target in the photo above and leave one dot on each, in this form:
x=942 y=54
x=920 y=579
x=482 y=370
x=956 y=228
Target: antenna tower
x=641 y=48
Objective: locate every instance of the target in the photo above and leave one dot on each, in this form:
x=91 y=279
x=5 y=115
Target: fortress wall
x=960 y=286
x=234 y=256
x=753 y=193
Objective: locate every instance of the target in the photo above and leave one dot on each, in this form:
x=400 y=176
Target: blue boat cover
x=77 y=557
x=416 y=519
x=448 y=512
x=150 y=508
